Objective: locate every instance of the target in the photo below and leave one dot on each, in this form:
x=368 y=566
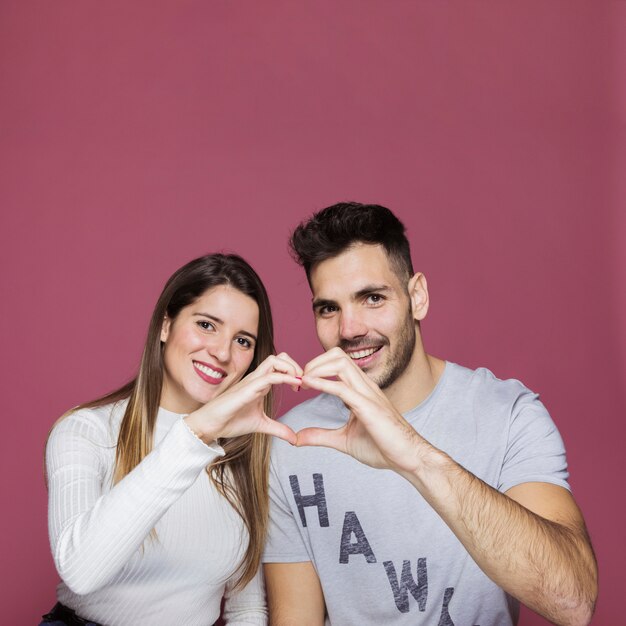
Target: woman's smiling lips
x=209 y=373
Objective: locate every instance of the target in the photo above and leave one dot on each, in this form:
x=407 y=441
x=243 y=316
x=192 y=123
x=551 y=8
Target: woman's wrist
x=194 y=425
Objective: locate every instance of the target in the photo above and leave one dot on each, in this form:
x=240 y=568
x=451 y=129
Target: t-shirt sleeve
x=535 y=451
x=284 y=540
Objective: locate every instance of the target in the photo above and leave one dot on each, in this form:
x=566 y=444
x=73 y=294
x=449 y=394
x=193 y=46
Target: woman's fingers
x=297 y=370
x=276 y=429
x=263 y=383
x=280 y=363
x=292 y=368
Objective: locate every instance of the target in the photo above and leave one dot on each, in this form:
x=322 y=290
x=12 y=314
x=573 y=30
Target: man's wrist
x=430 y=469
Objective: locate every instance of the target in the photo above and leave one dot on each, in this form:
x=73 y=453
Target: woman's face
x=207 y=348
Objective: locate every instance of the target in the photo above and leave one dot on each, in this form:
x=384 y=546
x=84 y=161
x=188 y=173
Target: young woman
x=158 y=491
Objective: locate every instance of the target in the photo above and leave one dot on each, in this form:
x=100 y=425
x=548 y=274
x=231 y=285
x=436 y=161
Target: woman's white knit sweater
x=113 y=572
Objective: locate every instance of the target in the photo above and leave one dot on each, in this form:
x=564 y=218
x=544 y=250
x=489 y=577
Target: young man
x=420 y=492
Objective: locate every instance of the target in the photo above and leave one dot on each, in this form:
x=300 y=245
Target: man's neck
x=417 y=381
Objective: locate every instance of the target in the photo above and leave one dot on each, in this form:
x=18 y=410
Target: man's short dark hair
x=334 y=229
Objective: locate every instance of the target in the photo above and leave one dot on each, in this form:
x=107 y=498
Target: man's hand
x=532 y=542
x=376 y=433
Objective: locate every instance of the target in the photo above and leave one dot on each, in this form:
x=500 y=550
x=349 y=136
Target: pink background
x=138 y=135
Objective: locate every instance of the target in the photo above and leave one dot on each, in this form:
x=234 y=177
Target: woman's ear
x=418 y=294
x=165 y=328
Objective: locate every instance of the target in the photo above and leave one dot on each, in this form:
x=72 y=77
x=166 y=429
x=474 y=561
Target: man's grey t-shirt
x=382 y=554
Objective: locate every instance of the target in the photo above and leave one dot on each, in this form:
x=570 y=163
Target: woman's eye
x=205 y=325
x=243 y=342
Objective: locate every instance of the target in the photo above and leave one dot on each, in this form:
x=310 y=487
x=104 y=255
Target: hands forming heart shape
x=375 y=434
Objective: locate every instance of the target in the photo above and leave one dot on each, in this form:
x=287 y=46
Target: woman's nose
x=220 y=348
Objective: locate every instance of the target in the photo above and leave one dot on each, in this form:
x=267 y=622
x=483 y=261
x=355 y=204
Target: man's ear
x=418 y=294
x=165 y=328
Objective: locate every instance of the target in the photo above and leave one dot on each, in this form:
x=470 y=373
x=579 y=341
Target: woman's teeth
x=205 y=369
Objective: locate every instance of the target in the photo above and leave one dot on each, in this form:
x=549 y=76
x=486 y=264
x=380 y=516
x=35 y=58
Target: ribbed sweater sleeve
x=246 y=606
x=92 y=533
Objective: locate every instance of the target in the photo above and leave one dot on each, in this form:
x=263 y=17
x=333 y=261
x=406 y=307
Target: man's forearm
x=547 y=565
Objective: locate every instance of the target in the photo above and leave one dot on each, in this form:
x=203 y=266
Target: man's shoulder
x=485 y=388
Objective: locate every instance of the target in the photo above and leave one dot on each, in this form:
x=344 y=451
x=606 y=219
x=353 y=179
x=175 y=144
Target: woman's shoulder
x=98 y=422
x=84 y=437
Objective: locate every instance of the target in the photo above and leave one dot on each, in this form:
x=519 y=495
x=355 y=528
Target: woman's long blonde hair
x=241 y=475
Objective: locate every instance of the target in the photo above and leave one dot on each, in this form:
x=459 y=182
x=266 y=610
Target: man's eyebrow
x=219 y=321
x=368 y=289
x=318 y=303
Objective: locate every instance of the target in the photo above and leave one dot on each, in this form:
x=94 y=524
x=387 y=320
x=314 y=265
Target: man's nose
x=352 y=325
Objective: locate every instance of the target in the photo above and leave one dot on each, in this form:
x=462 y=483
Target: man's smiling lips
x=364 y=356
x=209 y=373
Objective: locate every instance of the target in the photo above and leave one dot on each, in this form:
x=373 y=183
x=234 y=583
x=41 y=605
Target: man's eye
x=205 y=325
x=327 y=309
x=374 y=298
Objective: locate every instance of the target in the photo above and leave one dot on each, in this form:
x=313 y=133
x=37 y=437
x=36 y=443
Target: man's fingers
x=325 y=357
x=340 y=368
x=334 y=387
x=365 y=408
x=336 y=363
x=322 y=437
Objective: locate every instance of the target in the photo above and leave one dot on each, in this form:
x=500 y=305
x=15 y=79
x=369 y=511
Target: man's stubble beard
x=400 y=360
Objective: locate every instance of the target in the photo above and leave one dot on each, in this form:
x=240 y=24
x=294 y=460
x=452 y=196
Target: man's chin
x=375 y=374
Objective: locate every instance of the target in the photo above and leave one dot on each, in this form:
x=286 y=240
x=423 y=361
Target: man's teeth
x=205 y=369
x=362 y=353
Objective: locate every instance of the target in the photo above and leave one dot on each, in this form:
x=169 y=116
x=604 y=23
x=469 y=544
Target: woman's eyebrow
x=247 y=334
x=211 y=317
x=219 y=321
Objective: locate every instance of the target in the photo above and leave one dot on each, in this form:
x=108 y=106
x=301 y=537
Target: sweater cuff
x=213 y=447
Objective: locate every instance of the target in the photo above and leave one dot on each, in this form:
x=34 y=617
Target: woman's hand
x=240 y=411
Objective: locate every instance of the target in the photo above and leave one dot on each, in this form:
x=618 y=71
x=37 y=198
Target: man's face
x=363 y=307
